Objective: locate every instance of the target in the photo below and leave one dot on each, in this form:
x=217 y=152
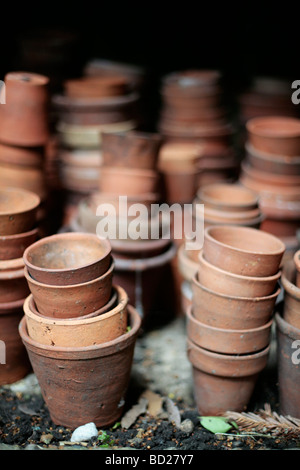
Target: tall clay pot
x=291 y=308
x=87 y=384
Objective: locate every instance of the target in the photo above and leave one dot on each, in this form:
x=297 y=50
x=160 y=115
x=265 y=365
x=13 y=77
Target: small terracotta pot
x=22 y=156
x=228 y=197
x=16 y=363
x=238 y=217
x=288 y=340
x=24 y=118
x=224 y=382
x=227 y=341
x=71 y=301
x=227 y=283
x=128 y=181
x=100 y=328
x=276 y=135
x=267 y=177
x=96 y=87
x=13 y=285
x=104 y=372
x=133 y=149
x=242 y=250
x=291 y=308
x=68 y=258
x=297 y=264
x=18 y=211
x=231 y=312
x=13 y=246
x=271 y=163
x=179 y=185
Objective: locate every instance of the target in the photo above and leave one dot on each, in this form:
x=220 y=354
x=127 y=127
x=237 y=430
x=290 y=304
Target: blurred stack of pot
x=272 y=168
x=18 y=230
x=229 y=322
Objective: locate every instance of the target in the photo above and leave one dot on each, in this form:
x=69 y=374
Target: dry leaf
x=155 y=402
x=132 y=415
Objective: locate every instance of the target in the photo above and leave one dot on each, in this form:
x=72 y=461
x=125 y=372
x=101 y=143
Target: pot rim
x=288 y=285
x=63 y=101
x=296 y=259
x=87 y=352
x=10 y=307
x=144 y=135
x=11 y=265
x=68 y=286
x=137 y=172
x=262 y=175
x=122 y=304
x=263 y=155
x=62 y=236
x=35 y=78
x=232 y=297
x=142 y=264
x=238 y=276
x=252 y=126
x=18 y=236
x=284 y=327
x=36 y=200
x=260 y=233
x=223 y=203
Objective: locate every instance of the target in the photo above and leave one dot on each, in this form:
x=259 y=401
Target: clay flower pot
x=13 y=285
x=187 y=267
x=13 y=246
x=128 y=181
x=228 y=197
x=232 y=312
x=18 y=211
x=291 y=306
x=104 y=372
x=179 y=185
x=71 y=301
x=133 y=149
x=224 y=382
x=268 y=162
x=96 y=87
x=269 y=178
x=81 y=332
x=22 y=156
x=24 y=118
x=227 y=283
x=68 y=258
x=288 y=338
x=17 y=364
x=297 y=264
x=243 y=250
x=275 y=135
x=227 y=341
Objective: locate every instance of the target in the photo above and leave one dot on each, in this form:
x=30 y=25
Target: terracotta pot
x=104 y=372
x=187 y=267
x=276 y=135
x=228 y=283
x=220 y=133
x=291 y=308
x=15 y=365
x=288 y=337
x=132 y=249
x=24 y=118
x=68 y=258
x=271 y=163
x=133 y=149
x=180 y=185
x=96 y=87
x=13 y=285
x=237 y=217
x=127 y=181
x=231 y=312
x=13 y=246
x=297 y=264
x=77 y=333
x=22 y=156
x=227 y=341
x=71 y=301
x=18 y=211
x=79 y=179
x=228 y=198
x=224 y=382
x=242 y=250
x=30 y=179
x=191 y=114
x=180 y=155
x=269 y=177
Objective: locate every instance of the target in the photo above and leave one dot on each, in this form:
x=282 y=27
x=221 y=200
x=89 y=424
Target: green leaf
x=215 y=424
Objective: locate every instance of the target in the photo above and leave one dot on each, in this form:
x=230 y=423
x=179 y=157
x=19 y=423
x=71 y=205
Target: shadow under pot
x=104 y=371
x=224 y=382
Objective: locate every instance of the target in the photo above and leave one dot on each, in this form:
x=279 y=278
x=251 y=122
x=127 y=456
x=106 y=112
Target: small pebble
x=84 y=433
x=186 y=426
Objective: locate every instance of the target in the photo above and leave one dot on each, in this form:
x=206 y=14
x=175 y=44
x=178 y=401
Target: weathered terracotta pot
x=270 y=178
x=80 y=332
x=227 y=341
x=96 y=87
x=180 y=155
x=276 y=135
x=71 y=301
x=237 y=217
x=133 y=149
x=13 y=246
x=24 y=118
x=128 y=181
x=232 y=312
x=297 y=264
x=291 y=306
x=267 y=162
x=68 y=258
x=104 y=372
x=22 y=156
x=243 y=250
x=228 y=197
x=179 y=185
x=224 y=382
x=14 y=363
x=227 y=283
x=18 y=211
x=27 y=178
x=288 y=340
x=13 y=285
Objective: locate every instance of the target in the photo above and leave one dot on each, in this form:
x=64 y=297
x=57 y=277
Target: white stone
x=84 y=433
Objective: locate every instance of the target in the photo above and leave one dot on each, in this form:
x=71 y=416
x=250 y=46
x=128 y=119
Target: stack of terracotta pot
x=216 y=204
x=197 y=132
x=18 y=229
x=24 y=134
x=288 y=338
x=88 y=107
x=272 y=168
x=229 y=322
x=76 y=322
